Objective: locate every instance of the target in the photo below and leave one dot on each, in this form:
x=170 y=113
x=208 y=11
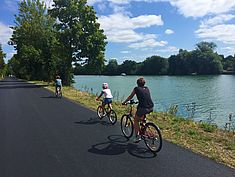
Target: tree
x=80 y=35
x=128 y=66
x=228 y=63
x=2 y=63
x=181 y=63
x=111 y=68
x=208 y=62
x=154 y=65
x=35 y=41
x=206 y=46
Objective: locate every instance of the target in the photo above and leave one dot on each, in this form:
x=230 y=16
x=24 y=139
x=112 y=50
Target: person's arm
x=99 y=96
x=129 y=97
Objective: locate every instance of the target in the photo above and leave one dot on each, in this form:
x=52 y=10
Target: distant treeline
x=202 y=60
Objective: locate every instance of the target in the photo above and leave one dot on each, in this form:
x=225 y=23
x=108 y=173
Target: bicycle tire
x=112 y=117
x=127 y=126
x=60 y=94
x=100 y=112
x=152 y=137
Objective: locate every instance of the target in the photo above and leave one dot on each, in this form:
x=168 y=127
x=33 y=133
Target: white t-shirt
x=107 y=93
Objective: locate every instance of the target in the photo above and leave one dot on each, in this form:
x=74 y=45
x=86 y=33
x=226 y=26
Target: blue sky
x=137 y=29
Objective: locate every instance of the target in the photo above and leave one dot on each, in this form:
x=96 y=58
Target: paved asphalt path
x=41 y=136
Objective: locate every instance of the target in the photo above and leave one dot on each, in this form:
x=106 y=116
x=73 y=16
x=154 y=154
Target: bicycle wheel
x=112 y=117
x=59 y=94
x=127 y=126
x=100 y=112
x=152 y=137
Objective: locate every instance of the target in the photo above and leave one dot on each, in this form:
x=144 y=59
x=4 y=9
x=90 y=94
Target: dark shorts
x=107 y=100
x=142 y=111
x=57 y=87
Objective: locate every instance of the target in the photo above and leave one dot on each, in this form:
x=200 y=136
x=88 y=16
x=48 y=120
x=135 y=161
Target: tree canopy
x=48 y=42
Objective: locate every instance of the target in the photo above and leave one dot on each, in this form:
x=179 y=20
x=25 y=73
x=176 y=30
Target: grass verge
x=201 y=138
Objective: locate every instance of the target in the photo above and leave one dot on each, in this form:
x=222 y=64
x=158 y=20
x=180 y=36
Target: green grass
x=201 y=138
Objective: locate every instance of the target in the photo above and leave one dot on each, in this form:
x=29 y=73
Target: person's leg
x=110 y=106
x=103 y=104
x=136 y=123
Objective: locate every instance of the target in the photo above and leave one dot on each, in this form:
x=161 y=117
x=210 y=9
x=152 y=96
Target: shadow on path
x=118 y=144
x=95 y=120
x=14 y=86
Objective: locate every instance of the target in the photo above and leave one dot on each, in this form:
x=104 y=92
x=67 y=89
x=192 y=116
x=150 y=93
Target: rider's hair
x=140 y=82
x=57 y=77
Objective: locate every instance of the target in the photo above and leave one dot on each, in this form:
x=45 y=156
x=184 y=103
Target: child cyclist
x=107 y=96
x=58 y=83
x=144 y=107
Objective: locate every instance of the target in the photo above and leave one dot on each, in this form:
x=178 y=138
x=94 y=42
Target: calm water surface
x=213 y=96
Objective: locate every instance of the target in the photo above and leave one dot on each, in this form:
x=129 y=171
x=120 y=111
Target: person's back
x=143 y=96
x=107 y=93
x=58 y=82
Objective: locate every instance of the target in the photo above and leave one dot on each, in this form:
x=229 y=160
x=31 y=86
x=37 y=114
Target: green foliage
x=129 y=67
x=111 y=68
x=80 y=35
x=35 y=41
x=228 y=63
x=2 y=63
x=154 y=65
x=208 y=127
x=203 y=60
x=48 y=41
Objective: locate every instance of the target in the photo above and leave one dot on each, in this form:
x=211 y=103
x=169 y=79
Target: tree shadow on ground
x=117 y=144
x=15 y=86
x=95 y=120
x=50 y=96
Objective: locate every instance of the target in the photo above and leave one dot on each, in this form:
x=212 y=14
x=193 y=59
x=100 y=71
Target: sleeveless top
x=143 y=96
x=107 y=93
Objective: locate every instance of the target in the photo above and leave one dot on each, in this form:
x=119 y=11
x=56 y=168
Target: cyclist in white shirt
x=107 y=96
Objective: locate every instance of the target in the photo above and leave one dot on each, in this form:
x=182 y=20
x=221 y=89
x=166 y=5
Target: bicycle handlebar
x=132 y=102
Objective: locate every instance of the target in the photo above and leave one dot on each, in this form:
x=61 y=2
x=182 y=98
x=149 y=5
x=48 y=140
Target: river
x=203 y=98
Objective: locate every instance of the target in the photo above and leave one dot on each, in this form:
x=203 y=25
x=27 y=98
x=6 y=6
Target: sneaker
x=136 y=139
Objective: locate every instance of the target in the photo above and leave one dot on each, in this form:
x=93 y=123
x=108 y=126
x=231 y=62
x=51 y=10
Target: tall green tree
x=35 y=41
x=206 y=46
x=128 y=66
x=111 y=68
x=2 y=63
x=208 y=61
x=81 y=36
x=154 y=65
x=180 y=64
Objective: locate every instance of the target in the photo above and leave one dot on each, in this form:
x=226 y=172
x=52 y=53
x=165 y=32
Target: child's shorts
x=107 y=100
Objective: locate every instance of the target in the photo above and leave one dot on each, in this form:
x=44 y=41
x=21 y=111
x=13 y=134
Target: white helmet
x=105 y=85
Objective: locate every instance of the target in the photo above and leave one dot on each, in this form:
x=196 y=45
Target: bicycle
x=58 y=93
x=110 y=113
x=149 y=132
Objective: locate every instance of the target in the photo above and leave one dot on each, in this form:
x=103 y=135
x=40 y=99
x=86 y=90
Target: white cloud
x=120 y=28
x=229 y=50
x=125 y=51
x=121 y=21
x=149 y=43
x=169 y=31
x=224 y=33
x=169 y=49
x=194 y=8
x=5 y=33
x=219 y=19
x=200 y=8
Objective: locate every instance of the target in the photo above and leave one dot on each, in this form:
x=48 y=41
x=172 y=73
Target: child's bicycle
x=110 y=113
x=58 y=93
x=149 y=132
